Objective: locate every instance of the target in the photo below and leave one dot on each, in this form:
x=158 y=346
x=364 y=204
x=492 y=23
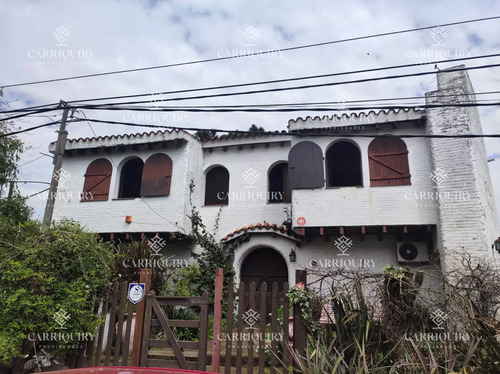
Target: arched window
x=388 y=160
x=97 y=180
x=305 y=166
x=279 y=188
x=343 y=165
x=131 y=177
x=157 y=175
x=217 y=186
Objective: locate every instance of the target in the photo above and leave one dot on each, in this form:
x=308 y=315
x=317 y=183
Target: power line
x=295 y=109
x=29 y=129
x=29 y=162
x=287 y=79
x=38 y=193
x=28 y=113
x=334 y=102
x=258 y=53
x=301 y=134
x=278 y=89
x=254 y=83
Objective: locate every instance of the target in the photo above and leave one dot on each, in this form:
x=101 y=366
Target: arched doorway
x=264 y=265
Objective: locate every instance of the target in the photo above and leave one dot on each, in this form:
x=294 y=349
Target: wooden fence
x=256 y=337
x=260 y=337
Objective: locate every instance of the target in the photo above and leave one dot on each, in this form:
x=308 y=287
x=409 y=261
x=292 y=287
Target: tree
x=15 y=208
x=254 y=128
x=214 y=254
x=62 y=271
x=11 y=148
x=204 y=135
x=14 y=205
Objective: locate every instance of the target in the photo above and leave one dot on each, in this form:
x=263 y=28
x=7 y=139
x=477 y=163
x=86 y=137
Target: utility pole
x=58 y=158
x=11 y=190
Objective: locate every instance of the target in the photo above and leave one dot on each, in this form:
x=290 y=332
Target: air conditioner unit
x=412 y=251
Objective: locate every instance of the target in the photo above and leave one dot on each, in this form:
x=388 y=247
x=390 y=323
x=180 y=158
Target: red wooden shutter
x=305 y=166
x=217 y=186
x=157 y=175
x=388 y=160
x=97 y=181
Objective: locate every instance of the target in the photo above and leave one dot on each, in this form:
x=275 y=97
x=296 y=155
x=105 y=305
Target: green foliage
x=10 y=149
x=183 y=282
x=204 y=135
x=43 y=271
x=358 y=340
x=214 y=254
x=15 y=208
x=254 y=128
x=309 y=304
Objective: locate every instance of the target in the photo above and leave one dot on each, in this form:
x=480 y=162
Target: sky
x=49 y=39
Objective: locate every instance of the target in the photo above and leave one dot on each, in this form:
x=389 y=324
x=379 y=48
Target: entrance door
x=264 y=265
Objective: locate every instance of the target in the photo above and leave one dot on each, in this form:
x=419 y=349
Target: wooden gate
x=172 y=352
x=257 y=338
x=111 y=345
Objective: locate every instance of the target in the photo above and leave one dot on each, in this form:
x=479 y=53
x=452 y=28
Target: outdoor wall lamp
x=128 y=219
x=292 y=255
x=496 y=245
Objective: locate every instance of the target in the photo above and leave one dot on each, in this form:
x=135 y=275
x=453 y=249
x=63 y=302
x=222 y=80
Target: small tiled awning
x=263 y=228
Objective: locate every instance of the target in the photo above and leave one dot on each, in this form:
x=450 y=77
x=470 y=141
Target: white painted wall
x=365 y=206
x=165 y=213
x=468 y=225
x=244 y=209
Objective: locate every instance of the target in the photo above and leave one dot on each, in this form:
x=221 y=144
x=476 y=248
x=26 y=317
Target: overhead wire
x=258 y=53
x=280 y=89
x=317 y=76
x=29 y=129
x=56 y=105
x=294 y=133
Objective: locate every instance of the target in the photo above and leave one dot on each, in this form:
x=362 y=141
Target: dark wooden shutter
x=97 y=181
x=157 y=175
x=388 y=160
x=305 y=166
x=217 y=186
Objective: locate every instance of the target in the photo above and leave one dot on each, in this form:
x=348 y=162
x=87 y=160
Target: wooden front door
x=265 y=265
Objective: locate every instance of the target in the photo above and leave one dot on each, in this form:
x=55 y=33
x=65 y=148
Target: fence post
x=219 y=277
x=139 y=317
x=299 y=327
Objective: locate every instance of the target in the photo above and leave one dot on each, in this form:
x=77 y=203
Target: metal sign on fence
x=136 y=292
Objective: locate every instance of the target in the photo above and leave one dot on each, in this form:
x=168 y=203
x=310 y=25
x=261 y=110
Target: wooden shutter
x=305 y=166
x=388 y=160
x=97 y=181
x=278 y=183
x=217 y=186
x=157 y=175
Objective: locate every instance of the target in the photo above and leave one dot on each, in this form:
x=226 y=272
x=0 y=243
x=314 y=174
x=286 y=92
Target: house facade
x=354 y=191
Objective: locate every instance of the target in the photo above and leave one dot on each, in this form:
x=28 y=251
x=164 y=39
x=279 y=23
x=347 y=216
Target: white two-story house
x=359 y=190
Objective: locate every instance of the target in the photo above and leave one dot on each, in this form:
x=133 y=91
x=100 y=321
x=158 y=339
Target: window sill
x=126 y=198
x=208 y=205
x=278 y=202
x=392 y=185
x=337 y=188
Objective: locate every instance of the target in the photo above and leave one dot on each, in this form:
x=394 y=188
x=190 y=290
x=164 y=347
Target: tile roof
x=262 y=228
x=128 y=136
x=114 y=140
x=245 y=135
x=353 y=119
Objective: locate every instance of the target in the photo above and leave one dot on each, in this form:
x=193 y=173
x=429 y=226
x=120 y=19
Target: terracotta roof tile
x=261 y=227
x=244 y=135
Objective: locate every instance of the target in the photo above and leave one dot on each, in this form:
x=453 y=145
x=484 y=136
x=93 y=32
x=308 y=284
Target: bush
x=44 y=272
